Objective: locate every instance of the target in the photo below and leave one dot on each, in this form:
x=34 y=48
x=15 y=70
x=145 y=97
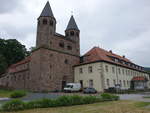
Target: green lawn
x=5 y=93
x=103 y=107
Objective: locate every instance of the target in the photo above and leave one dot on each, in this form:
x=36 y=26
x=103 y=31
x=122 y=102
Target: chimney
x=123 y=56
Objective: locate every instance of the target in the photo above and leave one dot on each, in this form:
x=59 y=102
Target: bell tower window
x=77 y=34
x=44 y=21
x=39 y=22
x=67 y=34
x=51 y=23
x=72 y=33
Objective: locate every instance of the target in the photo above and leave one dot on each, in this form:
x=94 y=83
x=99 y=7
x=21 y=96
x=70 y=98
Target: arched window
x=69 y=47
x=77 y=33
x=39 y=22
x=61 y=44
x=44 y=21
x=67 y=34
x=66 y=61
x=72 y=33
x=51 y=23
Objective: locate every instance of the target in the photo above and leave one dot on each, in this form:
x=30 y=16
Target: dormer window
x=72 y=33
x=116 y=60
x=44 y=21
x=51 y=23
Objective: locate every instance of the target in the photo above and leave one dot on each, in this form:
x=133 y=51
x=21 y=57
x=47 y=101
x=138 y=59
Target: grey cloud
x=120 y=25
x=8 y=5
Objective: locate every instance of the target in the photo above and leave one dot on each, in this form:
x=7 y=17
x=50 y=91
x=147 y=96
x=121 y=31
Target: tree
x=32 y=49
x=3 y=64
x=12 y=51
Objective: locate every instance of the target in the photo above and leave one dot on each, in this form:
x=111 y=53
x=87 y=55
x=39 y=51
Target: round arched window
x=72 y=33
x=67 y=34
x=61 y=44
x=69 y=47
x=44 y=21
x=39 y=22
x=77 y=33
x=51 y=23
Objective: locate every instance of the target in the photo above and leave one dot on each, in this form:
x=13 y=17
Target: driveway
x=135 y=97
x=35 y=96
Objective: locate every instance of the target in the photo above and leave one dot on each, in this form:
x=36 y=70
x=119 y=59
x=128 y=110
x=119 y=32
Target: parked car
x=72 y=87
x=89 y=90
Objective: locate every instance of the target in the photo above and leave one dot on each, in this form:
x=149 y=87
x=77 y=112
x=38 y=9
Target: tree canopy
x=11 y=51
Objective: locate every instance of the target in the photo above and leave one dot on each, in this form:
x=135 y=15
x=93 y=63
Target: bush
x=89 y=99
x=17 y=94
x=107 y=96
x=115 y=97
x=60 y=101
x=77 y=100
x=13 y=105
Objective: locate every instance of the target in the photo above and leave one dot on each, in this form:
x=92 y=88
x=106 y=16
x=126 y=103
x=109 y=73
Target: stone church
x=50 y=65
x=56 y=61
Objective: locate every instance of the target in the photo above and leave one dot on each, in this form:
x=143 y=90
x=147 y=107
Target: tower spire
x=47 y=11
x=72 y=24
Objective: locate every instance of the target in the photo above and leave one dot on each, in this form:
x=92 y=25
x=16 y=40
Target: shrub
x=33 y=104
x=17 y=94
x=115 y=97
x=76 y=100
x=89 y=99
x=13 y=105
x=61 y=101
x=107 y=96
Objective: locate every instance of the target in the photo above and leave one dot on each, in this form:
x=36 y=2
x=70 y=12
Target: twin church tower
x=46 y=29
x=51 y=65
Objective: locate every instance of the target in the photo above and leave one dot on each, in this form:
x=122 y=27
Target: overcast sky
x=122 y=26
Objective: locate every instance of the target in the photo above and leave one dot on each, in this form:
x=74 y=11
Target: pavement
x=35 y=96
x=135 y=97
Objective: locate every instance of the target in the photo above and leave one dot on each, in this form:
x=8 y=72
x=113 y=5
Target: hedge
x=18 y=94
x=15 y=105
x=108 y=96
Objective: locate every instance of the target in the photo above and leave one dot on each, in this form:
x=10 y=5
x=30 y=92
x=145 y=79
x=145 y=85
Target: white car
x=72 y=87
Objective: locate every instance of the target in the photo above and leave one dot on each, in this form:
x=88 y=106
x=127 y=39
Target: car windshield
x=69 y=86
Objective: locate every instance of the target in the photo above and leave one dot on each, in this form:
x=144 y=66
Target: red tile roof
x=26 y=60
x=13 y=68
x=99 y=54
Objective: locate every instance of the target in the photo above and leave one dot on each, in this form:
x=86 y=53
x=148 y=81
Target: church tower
x=46 y=27
x=55 y=54
x=72 y=32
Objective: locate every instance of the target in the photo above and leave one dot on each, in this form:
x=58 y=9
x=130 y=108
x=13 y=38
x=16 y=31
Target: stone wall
x=49 y=68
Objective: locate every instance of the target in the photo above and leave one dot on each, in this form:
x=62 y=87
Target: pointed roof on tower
x=72 y=24
x=47 y=11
